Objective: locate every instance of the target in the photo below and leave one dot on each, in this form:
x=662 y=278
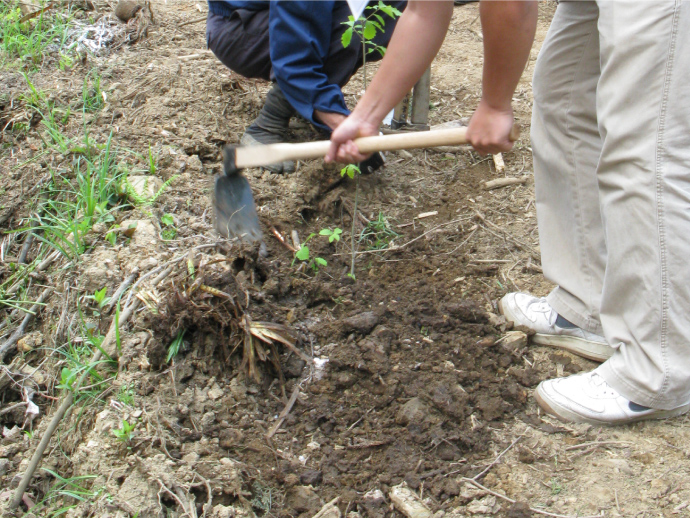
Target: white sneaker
x=587 y=398
x=536 y=314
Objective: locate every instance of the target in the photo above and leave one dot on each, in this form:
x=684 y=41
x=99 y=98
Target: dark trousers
x=240 y=42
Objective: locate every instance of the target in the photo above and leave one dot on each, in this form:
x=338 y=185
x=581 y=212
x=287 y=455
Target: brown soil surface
x=417 y=380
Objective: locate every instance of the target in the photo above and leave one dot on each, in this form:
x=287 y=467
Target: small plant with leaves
x=366 y=27
x=304 y=255
x=99 y=297
x=124 y=432
x=169 y=232
x=333 y=235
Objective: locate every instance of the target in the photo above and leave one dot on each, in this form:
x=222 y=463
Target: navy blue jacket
x=300 y=36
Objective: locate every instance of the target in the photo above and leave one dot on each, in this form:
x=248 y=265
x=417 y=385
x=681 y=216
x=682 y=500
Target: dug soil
x=295 y=383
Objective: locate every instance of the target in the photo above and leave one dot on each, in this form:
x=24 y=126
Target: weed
x=91 y=93
x=153 y=161
x=557 y=486
x=124 y=432
x=378 y=234
x=125 y=394
x=71 y=488
x=27 y=42
x=74 y=204
x=169 y=232
x=175 y=346
x=143 y=200
x=263 y=497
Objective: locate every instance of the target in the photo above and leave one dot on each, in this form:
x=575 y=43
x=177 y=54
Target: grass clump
x=26 y=44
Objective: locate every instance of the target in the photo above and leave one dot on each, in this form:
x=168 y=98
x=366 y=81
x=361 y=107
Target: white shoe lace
x=600 y=385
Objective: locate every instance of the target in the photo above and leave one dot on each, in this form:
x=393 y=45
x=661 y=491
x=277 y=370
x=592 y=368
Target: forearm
x=508 y=28
x=425 y=23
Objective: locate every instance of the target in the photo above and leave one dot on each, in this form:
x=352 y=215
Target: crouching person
x=298 y=46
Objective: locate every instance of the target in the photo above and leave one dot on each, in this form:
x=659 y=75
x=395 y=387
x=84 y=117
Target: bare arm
x=417 y=38
x=509 y=28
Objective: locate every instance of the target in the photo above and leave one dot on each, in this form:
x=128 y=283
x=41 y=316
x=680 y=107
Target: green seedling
x=67 y=379
x=353 y=172
x=124 y=433
x=304 y=255
x=169 y=232
x=333 y=235
x=366 y=27
x=100 y=298
x=175 y=346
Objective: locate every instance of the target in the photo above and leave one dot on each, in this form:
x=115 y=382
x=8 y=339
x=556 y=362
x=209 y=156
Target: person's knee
x=238 y=45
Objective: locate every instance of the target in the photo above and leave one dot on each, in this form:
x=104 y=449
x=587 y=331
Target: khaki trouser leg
x=567 y=145
x=636 y=190
x=643 y=107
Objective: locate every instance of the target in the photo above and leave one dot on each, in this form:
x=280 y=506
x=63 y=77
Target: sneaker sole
x=568 y=416
x=595 y=351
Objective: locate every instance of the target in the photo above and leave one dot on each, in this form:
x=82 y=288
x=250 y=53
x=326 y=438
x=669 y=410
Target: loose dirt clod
x=125 y=10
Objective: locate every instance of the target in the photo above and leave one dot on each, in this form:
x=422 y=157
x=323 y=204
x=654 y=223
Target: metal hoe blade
x=233 y=208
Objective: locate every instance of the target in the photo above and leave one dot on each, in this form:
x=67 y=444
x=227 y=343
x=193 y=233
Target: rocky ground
x=244 y=384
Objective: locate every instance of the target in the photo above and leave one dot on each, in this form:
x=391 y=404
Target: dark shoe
x=371 y=164
x=271 y=126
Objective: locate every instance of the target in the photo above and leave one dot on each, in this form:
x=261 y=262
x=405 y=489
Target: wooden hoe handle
x=255 y=156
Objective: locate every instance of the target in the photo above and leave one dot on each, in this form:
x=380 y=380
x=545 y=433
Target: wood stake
x=505 y=182
x=499 y=163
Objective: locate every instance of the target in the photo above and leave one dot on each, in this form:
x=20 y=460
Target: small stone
x=618 y=464
x=513 y=340
x=303 y=499
x=361 y=323
x=208 y=419
x=4 y=466
x=374 y=499
x=230 y=438
x=414 y=411
x=311 y=477
x=30 y=342
x=215 y=392
x=222 y=511
x=519 y=510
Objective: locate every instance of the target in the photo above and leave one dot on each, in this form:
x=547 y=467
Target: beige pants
x=611 y=140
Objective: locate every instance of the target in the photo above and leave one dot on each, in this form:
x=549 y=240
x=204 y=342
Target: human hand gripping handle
x=491 y=130
x=495 y=131
x=343 y=148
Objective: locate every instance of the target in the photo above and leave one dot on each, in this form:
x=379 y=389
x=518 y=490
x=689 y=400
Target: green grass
x=378 y=234
x=91 y=93
x=25 y=45
x=65 y=494
x=76 y=199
